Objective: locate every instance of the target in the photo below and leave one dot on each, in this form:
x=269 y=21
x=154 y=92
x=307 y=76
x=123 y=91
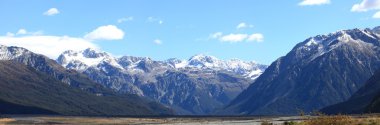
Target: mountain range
x=197 y=86
x=34 y=84
x=318 y=72
x=334 y=73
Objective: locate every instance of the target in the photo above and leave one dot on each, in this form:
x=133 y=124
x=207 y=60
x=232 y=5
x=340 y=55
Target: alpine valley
x=334 y=73
x=196 y=86
x=34 y=84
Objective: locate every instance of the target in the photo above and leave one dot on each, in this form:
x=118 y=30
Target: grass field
x=340 y=120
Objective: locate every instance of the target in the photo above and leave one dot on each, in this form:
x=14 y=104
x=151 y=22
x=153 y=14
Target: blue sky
x=163 y=29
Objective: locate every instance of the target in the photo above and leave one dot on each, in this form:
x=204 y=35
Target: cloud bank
x=314 y=2
x=366 y=5
x=109 y=32
x=238 y=37
x=53 y=46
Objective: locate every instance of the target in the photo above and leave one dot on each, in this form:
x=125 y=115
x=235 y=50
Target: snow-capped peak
x=8 y=53
x=130 y=62
x=337 y=38
x=319 y=45
x=133 y=59
x=81 y=60
x=92 y=53
x=203 y=58
x=204 y=61
x=237 y=63
x=312 y=41
x=201 y=61
x=176 y=63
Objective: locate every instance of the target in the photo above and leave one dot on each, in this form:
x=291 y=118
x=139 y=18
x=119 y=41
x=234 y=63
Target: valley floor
x=299 y=120
x=145 y=121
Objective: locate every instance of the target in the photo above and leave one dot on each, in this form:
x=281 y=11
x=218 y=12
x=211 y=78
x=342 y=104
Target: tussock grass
x=330 y=120
x=6 y=120
x=336 y=120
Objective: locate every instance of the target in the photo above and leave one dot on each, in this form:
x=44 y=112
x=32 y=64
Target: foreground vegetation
x=333 y=120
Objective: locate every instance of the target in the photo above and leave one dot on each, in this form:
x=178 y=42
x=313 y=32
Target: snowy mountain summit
x=82 y=60
x=9 y=53
x=319 y=45
x=247 y=69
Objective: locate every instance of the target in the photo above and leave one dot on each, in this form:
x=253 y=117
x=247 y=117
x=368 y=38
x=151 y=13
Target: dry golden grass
x=330 y=120
x=6 y=120
x=340 y=120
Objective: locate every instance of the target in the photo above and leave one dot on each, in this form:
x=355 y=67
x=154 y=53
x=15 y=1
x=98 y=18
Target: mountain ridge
x=70 y=59
x=36 y=83
x=313 y=74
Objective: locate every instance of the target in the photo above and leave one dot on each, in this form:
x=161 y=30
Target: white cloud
x=243 y=25
x=51 y=46
x=233 y=38
x=376 y=15
x=155 y=20
x=366 y=5
x=35 y=33
x=24 y=32
x=9 y=34
x=109 y=32
x=157 y=41
x=21 y=32
x=51 y=12
x=313 y=2
x=256 y=37
x=152 y=19
x=216 y=35
x=121 y=20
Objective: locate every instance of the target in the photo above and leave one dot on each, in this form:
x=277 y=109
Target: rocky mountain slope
x=195 y=86
x=365 y=100
x=33 y=84
x=322 y=70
